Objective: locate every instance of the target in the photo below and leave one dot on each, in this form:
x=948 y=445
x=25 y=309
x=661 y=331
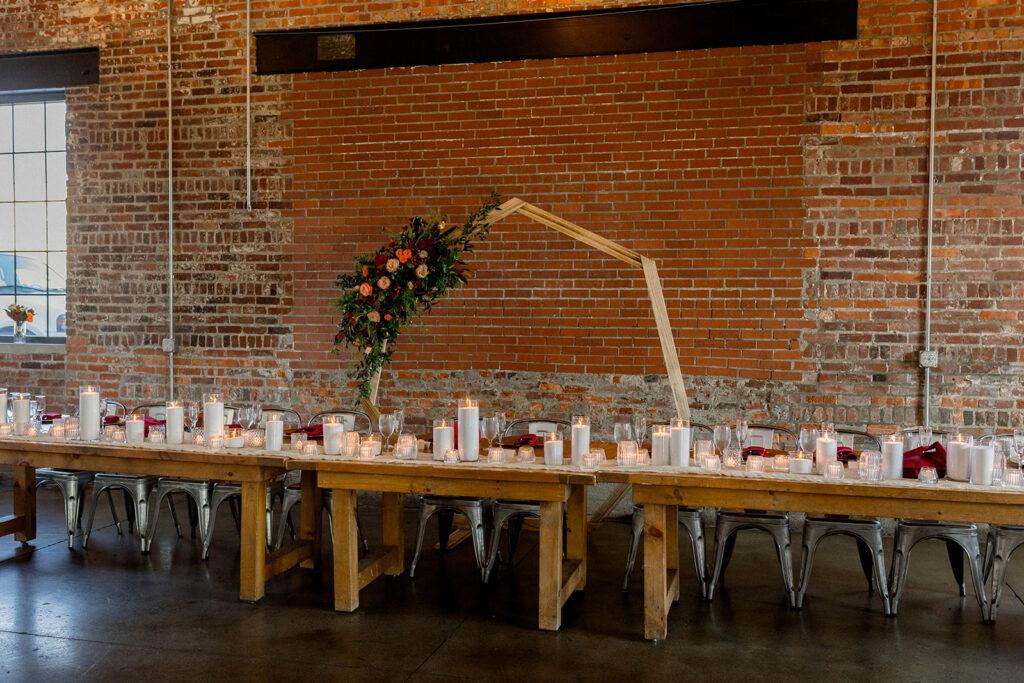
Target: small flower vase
x=19 y=332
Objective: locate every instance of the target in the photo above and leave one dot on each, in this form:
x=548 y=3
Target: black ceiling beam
x=49 y=70
x=681 y=26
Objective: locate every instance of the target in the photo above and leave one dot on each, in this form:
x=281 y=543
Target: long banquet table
x=552 y=486
x=662 y=490
x=252 y=469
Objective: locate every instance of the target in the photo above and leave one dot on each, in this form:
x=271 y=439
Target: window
x=33 y=213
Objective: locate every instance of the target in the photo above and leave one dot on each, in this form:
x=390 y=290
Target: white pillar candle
x=825 y=451
x=469 y=429
x=444 y=438
x=800 y=465
x=553 y=450
x=135 y=429
x=275 y=432
x=3 y=406
x=958 y=458
x=21 y=406
x=175 y=419
x=89 y=412
x=892 y=458
x=213 y=415
x=982 y=460
x=580 y=439
x=333 y=429
x=661 y=445
x=679 y=431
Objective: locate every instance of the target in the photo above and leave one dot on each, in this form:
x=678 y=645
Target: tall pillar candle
x=3 y=406
x=175 y=419
x=553 y=449
x=892 y=458
x=825 y=451
x=679 y=449
x=958 y=458
x=469 y=430
x=135 y=429
x=275 y=432
x=213 y=414
x=444 y=438
x=580 y=439
x=21 y=407
x=983 y=457
x=333 y=428
x=661 y=445
x=89 y=412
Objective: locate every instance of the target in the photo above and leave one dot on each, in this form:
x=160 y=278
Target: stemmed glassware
x=742 y=433
x=400 y=417
x=192 y=415
x=255 y=415
x=502 y=423
x=489 y=428
x=623 y=429
x=808 y=439
x=40 y=406
x=639 y=424
x=722 y=436
x=388 y=424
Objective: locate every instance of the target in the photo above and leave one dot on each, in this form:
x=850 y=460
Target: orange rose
x=366 y=271
x=404 y=254
x=29 y=317
x=387 y=316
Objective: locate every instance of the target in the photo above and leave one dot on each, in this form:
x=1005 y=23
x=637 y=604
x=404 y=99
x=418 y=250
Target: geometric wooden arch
x=633 y=258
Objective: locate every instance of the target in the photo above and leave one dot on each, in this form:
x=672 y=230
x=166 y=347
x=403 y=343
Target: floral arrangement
x=19 y=314
x=401 y=280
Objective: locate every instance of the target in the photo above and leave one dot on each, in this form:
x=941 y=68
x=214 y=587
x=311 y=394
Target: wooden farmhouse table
x=661 y=491
x=552 y=487
x=252 y=469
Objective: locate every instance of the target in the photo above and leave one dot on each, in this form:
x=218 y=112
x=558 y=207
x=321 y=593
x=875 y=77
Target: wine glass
x=41 y=405
x=255 y=415
x=722 y=436
x=623 y=430
x=638 y=421
x=192 y=415
x=388 y=423
x=502 y=423
x=489 y=428
x=400 y=416
x=742 y=433
x=924 y=436
x=808 y=439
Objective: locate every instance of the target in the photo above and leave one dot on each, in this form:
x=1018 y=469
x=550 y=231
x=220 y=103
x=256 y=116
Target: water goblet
x=192 y=415
x=489 y=429
x=623 y=431
x=808 y=439
x=638 y=421
x=722 y=436
x=502 y=423
x=388 y=424
x=924 y=436
x=41 y=405
x=742 y=433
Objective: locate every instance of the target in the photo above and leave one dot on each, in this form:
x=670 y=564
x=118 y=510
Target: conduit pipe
x=931 y=214
x=169 y=344
x=248 y=106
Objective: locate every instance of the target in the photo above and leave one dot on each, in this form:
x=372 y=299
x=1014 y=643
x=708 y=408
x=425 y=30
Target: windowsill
x=11 y=349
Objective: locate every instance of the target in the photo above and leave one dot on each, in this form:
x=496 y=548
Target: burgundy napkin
x=152 y=422
x=234 y=425
x=753 y=450
x=924 y=456
x=528 y=440
x=48 y=418
x=844 y=454
x=111 y=420
x=312 y=431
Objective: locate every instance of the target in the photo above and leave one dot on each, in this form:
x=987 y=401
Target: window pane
x=36 y=328
x=29 y=177
x=56 y=175
x=6 y=178
x=6 y=324
x=56 y=134
x=58 y=316
x=58 y=265
x=6 y=134
x=30 y=226
x=57 y=219
x=6 y=276
x=6 y=226
x=28 y=127
x=31 y=274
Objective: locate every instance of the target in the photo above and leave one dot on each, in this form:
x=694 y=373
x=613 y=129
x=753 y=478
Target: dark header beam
x=682 y=26
x=49 y=70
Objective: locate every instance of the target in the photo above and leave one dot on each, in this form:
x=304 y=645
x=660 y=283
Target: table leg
x=25 y=501
x=550 y=571
x=655 y=571
x=346 y=550
x=254 y=540
x=393 y=523
x=576 y=530
x=310 y=529
x=672 y=550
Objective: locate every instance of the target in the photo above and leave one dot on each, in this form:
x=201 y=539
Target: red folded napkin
x=48 y=418
x=924 y=456
x=234 y=425
x=844 y=454
x=151 y=422
x=312 y=431
x=111 y=420
x=753 y=450
x=528 y=440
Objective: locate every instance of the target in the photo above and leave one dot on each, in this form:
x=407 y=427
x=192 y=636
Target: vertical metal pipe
x=931 y=214
x=170 y=206
x=248 y=106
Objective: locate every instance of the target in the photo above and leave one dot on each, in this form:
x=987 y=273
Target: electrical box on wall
x=928 y=359
x=169 y=345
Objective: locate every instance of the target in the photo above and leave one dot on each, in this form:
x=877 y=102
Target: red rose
x=381 y=259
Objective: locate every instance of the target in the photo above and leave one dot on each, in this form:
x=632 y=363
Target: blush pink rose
x=368 y=350
x=384 y=282
x=366 y=289
x=392 y=265
x=374 y=316
x=422 y=270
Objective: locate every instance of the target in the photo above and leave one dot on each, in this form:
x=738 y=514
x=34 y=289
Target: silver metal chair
x=513 y=512
x=72 y=485
x=857 y=439
x=288 y=416
x=231 y=491
x=444 y=507
x=729 y=522
x=692 y=520
x=293 y=495
x=1003 y=540
x=137 y=489
x=350 y=418
x=909 y=435
x=960 y=539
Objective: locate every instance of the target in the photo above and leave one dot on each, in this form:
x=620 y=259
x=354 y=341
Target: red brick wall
x=782 y=191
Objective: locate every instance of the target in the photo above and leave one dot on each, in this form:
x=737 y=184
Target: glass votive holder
x=405 y=447
x=495 y=454
x=156 y=435
x=525 y=454
x=310 y=449
x=5 y=429
x=349 y=444
x=57 y=432
x=702 y=448
x=733 y=459
x=451 y=456
x=117 y=435
x=1013 y=479
x=366 y=451
x=626 y=453
x=801 y=464
x=780 y=462
x=215 y=442
x=374 y=441
x=868 y=463
x=755 y=463
x=258 y=439
x=643 y=457
x=712 y=462
x=32 y=429
x=199 y=437
x=929 y=475
x=298 y=441
x=592 y=460
x=834 y=470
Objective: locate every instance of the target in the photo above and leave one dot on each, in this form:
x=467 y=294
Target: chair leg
x=977 y=574
x=492 y=551
x=129 y=510
x=695 y=527
x=898 y=570
x=476 y=524
x=193 y=515
x=159 y=497
x=809 y=546
x=359 y=532
x=174 y=514
x=444 y=527
x=781 y=537
x=216 y=499
x=426 y=512
x=878 y=568
x=97 y=491
x=284 y=522
x=997 y=561
x=722 y=537
x=730 y=545
x=867 y=561
x=636 y=533
x=113 y=511
x=142 y=517
x=233 y=504
x=956 y=563
x=71 y=493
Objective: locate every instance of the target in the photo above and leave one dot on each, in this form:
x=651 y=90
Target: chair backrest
x=858 y=439
x=536 y=425
x=707 y=433
x=155 y=410
x=771 y=436
x=997 y=435
x=288 y=416
x=911 y=439
x=352 y=419
x=115 y=407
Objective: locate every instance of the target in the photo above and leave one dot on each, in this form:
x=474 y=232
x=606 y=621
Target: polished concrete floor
x=111 y=613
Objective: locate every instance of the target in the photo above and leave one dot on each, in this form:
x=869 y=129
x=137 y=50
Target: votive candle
x=443 y=438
